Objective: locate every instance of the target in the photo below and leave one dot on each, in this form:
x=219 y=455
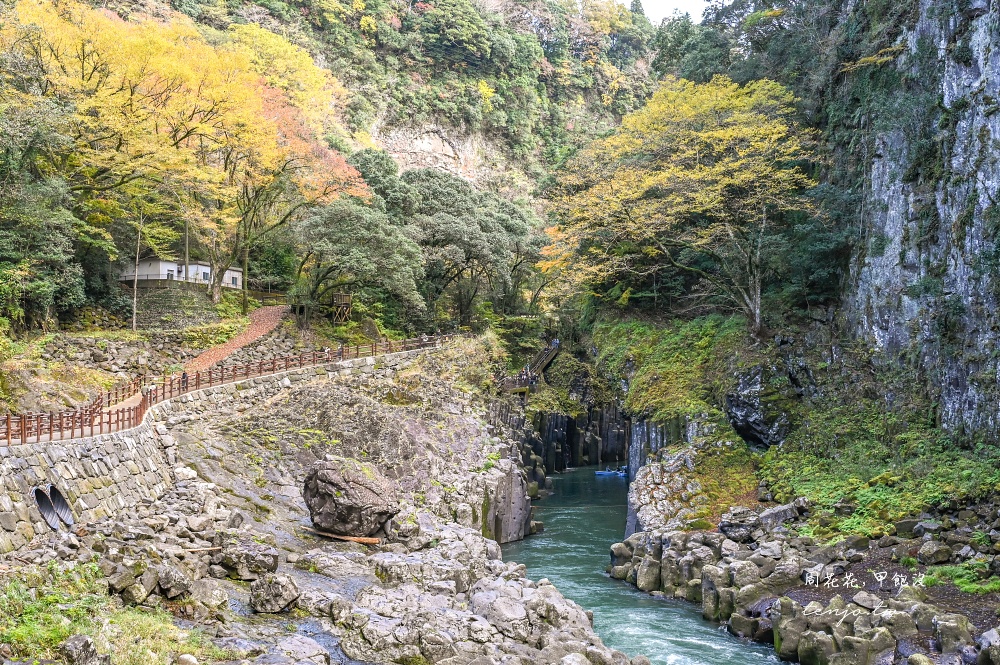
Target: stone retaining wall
x=104 y=475
x=99 y=476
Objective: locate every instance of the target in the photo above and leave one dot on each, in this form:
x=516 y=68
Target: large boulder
x=173 y=580
x=952 y=632
x=774 y=517
x=80 y=650
x=209 y=593
x=244 y=558
x=348 y=497
x=301 y=649
x=739 y=524
x=989 y=646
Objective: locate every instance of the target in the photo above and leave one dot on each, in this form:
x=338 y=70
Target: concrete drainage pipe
x=46 y=508
x=61 y=506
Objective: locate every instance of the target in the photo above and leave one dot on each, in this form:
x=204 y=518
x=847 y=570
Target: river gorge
x=583 y=516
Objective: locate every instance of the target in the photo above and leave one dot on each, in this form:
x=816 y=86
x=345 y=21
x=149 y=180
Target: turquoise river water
x=583 y=517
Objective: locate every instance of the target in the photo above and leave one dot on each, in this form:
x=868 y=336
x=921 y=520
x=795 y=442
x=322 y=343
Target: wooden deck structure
x=525 y=383
x=340 y=307
x=336 y=306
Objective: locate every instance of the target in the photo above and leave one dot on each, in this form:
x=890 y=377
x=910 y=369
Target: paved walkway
x=262 y=321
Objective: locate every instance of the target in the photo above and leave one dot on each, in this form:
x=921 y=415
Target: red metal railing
x=98 y=418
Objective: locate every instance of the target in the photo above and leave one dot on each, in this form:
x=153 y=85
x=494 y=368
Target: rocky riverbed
x=858 y=601
x=230 y=550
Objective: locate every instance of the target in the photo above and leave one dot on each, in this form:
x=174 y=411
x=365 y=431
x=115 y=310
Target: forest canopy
x=249 y=136
x=126 y=137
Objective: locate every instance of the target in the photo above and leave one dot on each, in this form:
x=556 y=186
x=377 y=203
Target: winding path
x=262 y=321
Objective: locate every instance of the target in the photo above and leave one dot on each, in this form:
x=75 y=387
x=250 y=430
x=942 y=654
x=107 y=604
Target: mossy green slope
x=862 y=434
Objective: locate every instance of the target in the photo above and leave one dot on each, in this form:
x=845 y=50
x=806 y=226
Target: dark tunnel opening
x=61 y=506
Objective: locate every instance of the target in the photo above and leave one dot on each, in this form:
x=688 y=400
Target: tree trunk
x=756 y=324
x=755 y=300
x=187 y=254
x=216 y=291
x=135 y=275
x=246 y=261
x=757 y=275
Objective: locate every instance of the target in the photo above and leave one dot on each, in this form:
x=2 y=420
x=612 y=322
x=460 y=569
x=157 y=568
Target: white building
x=153 y=268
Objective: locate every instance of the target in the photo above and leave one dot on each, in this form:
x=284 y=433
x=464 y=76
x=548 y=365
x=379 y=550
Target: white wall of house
x=199 y=273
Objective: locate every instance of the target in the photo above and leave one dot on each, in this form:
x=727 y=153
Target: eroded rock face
x=469 y=156
x=749 y=414
x=454 y=600
x=435 y=589
x=348 y=497
x=928 y=234
x=752 y=586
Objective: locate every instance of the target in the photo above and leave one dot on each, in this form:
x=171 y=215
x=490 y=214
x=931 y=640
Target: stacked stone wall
x=105 y=475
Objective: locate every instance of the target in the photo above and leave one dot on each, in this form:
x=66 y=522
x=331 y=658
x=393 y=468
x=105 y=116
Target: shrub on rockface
x=677 y=369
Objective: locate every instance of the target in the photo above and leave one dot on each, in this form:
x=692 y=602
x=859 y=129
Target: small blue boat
x=612 y=472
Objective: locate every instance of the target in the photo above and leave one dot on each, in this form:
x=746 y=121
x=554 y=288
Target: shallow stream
x=583 y=517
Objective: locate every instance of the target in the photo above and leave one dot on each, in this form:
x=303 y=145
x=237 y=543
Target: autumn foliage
x=701 y=182
x=144 y=115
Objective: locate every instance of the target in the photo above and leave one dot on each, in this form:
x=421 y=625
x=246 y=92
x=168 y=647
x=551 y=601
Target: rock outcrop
x=441 y=489
x=273 y=593
x=348 y=497
x=751 y=415
x=739 y=524
x=924 y=281
x=816 y=603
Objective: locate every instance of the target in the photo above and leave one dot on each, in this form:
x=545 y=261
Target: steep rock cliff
x=471 y=156
x=926 y=282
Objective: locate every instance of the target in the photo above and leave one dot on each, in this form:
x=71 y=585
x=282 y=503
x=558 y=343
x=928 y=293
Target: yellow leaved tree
x=702 y=180
x=228 y=138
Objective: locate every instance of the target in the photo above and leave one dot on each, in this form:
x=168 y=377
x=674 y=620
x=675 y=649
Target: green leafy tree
x=39 y=276
x=455 y=32
x=668 y=42
x=349 y=246
x=381 y=173
x=474 y=243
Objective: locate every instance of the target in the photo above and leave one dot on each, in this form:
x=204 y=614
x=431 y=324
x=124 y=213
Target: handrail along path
x=99 y=418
